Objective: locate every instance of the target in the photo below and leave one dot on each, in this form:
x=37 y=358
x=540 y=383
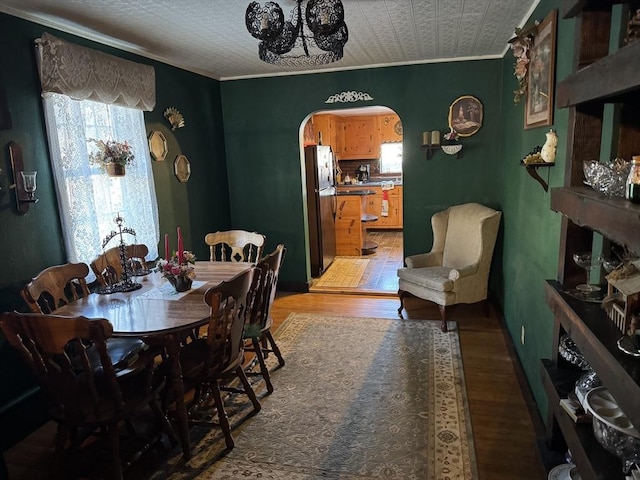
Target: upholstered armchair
x=456 y=270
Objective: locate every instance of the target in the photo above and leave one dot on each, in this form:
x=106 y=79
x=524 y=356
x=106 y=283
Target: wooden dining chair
x=257 y=331
x=107 y=266
x=235 y=246
x=80 y=395
x=216 y=358
x=61 y=284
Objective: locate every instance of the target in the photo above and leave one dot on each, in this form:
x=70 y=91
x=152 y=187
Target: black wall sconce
x=24 y=182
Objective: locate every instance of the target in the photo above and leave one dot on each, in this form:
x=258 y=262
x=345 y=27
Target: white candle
x=435 y=137
x=426 y=138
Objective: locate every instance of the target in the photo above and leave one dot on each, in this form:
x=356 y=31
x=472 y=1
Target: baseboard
x=294 y=287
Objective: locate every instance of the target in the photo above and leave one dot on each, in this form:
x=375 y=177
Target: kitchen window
x=391 y=157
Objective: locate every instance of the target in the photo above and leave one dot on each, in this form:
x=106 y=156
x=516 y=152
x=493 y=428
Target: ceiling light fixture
x=324 y=44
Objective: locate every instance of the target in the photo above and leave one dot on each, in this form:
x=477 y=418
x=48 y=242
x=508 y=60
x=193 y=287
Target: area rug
x=358 y=398
x=343 y=272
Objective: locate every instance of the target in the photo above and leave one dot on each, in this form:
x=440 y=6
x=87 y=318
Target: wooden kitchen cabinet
x=394 y=220
x=325 y=128
x=389 y=128
x=349 y=231
x=600 y=78
x=357 y=138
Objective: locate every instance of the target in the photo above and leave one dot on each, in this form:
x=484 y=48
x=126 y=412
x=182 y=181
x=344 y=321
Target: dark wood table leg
x=172 y=346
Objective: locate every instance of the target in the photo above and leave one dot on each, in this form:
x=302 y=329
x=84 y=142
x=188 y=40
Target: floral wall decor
x=520 y=45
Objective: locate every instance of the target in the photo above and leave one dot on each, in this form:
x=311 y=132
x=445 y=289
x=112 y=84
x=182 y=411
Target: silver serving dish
x=612 y=428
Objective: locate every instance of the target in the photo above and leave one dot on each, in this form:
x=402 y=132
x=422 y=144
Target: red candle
x=166 y=246
x=180 y=247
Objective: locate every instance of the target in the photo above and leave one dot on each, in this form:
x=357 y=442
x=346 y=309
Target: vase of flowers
x=112 y=157
x=450 y=144
x=179 y=270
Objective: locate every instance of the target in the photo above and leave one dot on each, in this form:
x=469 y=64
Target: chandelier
x=321 y=42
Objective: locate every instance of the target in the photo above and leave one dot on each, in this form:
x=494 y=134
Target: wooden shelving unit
x=600 y=78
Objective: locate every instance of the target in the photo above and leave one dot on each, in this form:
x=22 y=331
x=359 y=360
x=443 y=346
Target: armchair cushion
x=435 y=278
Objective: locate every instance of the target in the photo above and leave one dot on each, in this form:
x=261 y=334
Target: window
x=391 y=157
x=88 y=199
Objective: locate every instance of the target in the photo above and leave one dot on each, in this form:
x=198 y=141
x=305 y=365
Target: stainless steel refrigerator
x=321 y=206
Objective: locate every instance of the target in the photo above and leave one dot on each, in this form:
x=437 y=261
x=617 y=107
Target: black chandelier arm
x=323 y=42
x=334 y=42
x=264 y=23
x=324 y=16
x=285 y=42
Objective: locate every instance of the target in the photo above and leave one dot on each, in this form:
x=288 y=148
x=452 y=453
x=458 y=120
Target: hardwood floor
x=380 y=275
x=504 y=431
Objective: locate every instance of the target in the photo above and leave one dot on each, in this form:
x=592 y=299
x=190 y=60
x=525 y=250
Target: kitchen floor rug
x=344 y=272
x=358 y=398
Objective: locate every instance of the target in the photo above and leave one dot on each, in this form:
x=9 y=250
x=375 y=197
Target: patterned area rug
x=343 y=272
x=359 y=398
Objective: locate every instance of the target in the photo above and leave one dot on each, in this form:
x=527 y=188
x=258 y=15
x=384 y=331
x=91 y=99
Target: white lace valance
x=86 y=74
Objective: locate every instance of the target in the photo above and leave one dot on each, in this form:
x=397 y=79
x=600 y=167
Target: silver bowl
x=612 y=428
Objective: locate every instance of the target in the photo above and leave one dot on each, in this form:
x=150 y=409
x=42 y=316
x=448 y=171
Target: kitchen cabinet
x=600 y=78
x=357 y=138
x=352 y=220
x=349 y=231
x=374 y=206
x=325 y=129
x=394 y=220
x=389 y=128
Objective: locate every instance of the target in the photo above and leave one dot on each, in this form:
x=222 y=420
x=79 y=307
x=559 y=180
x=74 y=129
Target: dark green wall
x=262 y=135
x=531 y=229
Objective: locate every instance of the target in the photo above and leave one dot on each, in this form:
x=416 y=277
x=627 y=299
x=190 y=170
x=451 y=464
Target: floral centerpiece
x=111 y=156
x=179 y=270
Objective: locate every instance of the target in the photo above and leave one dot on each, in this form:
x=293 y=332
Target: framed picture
x=538 y=109
x=465 y=115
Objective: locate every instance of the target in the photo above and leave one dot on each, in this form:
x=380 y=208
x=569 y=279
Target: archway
x=366 y=143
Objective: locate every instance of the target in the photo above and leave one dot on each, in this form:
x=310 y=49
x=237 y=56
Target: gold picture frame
x=538 y=110
x=465 y=115
x=182 y=168
x=158 y=146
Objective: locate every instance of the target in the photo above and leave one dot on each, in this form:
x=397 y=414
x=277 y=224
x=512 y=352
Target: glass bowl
x=612 y=428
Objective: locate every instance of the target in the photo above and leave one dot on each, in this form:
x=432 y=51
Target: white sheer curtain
x=88 y=199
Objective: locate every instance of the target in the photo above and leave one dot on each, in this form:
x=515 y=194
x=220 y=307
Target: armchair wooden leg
x=443 y=314
x=401 y=294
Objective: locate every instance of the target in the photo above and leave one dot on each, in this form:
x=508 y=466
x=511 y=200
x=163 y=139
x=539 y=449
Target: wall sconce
x=24 y=184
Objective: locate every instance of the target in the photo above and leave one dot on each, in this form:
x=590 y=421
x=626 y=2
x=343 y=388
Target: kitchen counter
x=355 y=192
x=369 y=184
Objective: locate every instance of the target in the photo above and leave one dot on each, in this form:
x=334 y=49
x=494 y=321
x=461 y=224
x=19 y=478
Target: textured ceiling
x=209 y=37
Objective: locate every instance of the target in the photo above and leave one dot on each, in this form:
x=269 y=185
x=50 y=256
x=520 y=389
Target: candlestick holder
x=126 y=284
x=24 y=184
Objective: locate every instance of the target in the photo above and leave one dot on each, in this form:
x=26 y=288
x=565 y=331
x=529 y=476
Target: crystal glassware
x=29 y=182
x=588 y=262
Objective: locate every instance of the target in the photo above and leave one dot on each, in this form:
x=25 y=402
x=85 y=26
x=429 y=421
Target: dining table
x=162 y=317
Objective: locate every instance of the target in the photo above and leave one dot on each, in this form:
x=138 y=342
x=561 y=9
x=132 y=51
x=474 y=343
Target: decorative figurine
x=548 y=152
